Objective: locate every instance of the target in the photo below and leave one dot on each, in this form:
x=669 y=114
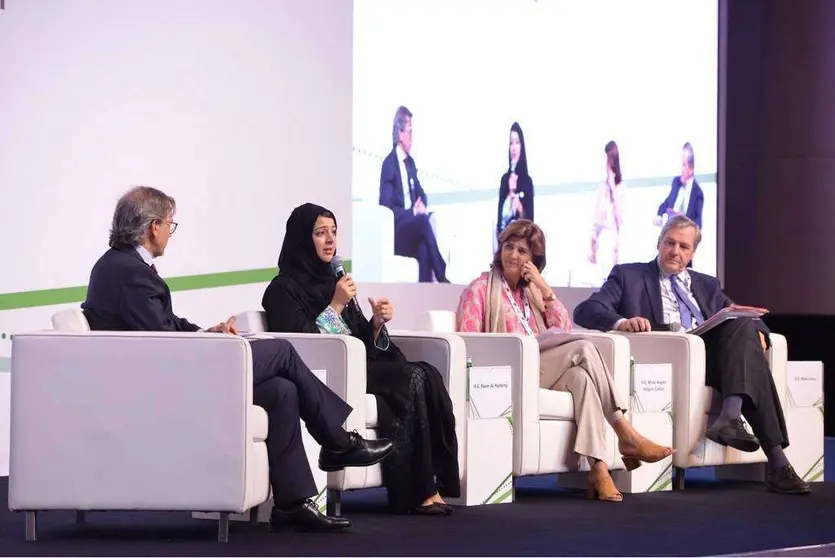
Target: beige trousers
x=578 y=368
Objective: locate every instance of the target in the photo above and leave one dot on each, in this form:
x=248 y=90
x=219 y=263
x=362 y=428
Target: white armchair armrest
x=686 y=353
x=343 y=357
x=448 y=354
x=373 y=253
x=521 y=353
x=135 y=420
x=778 y=357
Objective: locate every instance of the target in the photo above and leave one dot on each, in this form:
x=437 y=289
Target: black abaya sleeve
x=284 y=303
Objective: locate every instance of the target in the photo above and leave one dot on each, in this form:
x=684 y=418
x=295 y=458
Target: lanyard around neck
x=523 y=317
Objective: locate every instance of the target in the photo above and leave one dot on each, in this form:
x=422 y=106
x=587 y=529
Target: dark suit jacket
x=634 y=290
x=126 y=294
x=391 y=187
x=694 y=206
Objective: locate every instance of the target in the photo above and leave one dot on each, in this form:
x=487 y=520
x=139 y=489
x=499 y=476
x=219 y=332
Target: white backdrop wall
x=239 y=110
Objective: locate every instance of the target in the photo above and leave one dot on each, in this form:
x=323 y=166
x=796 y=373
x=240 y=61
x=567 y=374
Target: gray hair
x=399 y=123
x=691 y=159
x=136 y=210
x=680 y=222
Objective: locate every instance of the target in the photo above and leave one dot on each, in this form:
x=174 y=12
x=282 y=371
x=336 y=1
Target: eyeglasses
x=172 y=226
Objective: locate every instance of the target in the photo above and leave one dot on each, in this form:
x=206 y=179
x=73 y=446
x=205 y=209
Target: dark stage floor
x=709 y=518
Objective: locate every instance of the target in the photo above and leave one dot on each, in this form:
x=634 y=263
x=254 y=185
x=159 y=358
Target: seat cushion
x=555 y=405
x=257 y=423
x=371 y=416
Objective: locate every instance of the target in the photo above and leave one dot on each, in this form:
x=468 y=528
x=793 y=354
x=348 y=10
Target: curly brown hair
x=524 y=229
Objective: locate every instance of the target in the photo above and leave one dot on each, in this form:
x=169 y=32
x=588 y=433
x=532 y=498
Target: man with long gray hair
x=645 y=296
x=126 y=293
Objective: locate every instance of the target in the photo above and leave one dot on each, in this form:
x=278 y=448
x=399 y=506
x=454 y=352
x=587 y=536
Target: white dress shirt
x=146 y=255
x=404 y=176
x=683 y=197
x=669 y=301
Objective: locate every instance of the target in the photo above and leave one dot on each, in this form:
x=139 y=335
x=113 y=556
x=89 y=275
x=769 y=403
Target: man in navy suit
x=686 y=196
x=126 y=293
x=645 y=296
x=413 y=234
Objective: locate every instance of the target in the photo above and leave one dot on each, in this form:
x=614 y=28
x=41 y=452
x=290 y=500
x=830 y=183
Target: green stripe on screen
x=49 y=297
x=5 y=364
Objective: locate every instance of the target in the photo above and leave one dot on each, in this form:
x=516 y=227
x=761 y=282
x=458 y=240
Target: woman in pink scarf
x=513 y=297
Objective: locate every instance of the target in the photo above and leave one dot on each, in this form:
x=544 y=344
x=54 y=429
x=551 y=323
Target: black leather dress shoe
x=361 y=453
x=732 y=433
x=785 y=481
x=307 y=518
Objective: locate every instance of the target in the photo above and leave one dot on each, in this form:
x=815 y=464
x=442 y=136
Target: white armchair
x=692 y=400
x=445 y=352
x=543 y=420
x=134 y=421
x=372 y=255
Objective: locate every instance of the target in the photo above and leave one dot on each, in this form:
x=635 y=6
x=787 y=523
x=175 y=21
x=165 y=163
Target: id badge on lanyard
x=525 y=316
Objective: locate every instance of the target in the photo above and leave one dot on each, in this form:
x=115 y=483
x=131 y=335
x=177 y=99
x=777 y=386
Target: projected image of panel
x=597 y=119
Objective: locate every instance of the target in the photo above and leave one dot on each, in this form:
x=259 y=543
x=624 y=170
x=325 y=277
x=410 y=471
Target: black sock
x=776 y=458
x=291 y=506
x=342 y=442
x=731 y=408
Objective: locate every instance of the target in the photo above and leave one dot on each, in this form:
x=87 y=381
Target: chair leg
x=223 y=527
x=80 y=517
x=31 y=526
x=678 y=478
x=253 y=515
x=334 y=502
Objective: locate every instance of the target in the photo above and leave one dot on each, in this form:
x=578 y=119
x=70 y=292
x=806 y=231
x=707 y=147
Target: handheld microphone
x=339 y=271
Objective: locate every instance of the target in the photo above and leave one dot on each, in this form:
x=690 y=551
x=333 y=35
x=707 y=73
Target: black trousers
x=414 y=238
x=736 y=365
x=289 y=391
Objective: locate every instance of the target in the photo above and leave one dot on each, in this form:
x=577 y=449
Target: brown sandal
x=646 y=451
x=602 y=487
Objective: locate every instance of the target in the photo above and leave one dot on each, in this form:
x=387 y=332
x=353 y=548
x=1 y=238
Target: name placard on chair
x=652 y=388
x=651 y=407
x=804 y=381
x=489 y=392
x=488 y=465
x=805 y=418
